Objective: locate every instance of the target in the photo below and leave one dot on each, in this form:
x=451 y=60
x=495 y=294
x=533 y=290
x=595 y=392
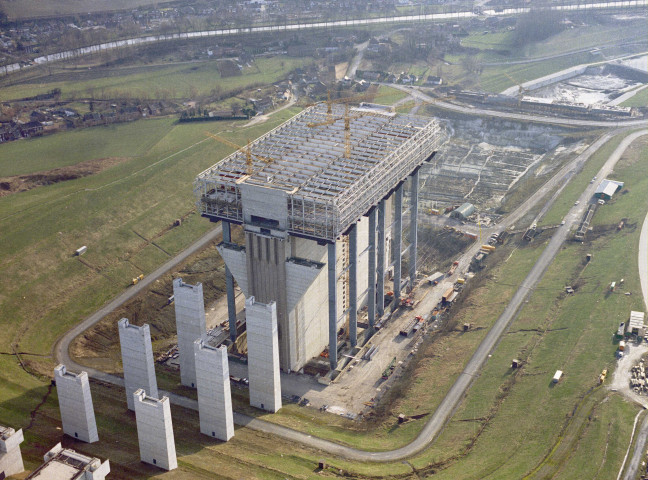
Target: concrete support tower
x=214 y=394
x=413 y=227
x=398 y=244
x=229 y=285
x=10 y=457
x=263 y=355
x=155 y=430
x=65 y=464
x=190 y=325
x=137 y=359
x=75 y=404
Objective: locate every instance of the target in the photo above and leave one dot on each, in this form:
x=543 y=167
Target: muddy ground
x=22 y=183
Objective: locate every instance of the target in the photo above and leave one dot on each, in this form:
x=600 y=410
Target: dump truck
x=453 y=268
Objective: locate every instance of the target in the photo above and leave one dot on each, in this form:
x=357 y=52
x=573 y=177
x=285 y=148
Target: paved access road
x=524 y=117
x=445 y=410
x=640 y=445
x=62 y=346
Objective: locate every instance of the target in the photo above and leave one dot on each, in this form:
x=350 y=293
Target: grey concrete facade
x=214 y=393
x=263 y=355
x=65 y=464
x=75 y=405
x=137 y=360
x=155 y=430
x=11 y=461
x=190 y=325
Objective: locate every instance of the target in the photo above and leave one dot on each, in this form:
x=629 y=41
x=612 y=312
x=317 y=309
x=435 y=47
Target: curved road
x=454 y=396
x=642 y=439
x=525 y=117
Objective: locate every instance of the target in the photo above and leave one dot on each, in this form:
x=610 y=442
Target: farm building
x=607 y=188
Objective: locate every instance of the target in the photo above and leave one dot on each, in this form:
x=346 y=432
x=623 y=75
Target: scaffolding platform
x=333 y=167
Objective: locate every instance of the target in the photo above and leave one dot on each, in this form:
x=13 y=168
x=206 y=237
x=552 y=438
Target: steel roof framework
x=327 y=192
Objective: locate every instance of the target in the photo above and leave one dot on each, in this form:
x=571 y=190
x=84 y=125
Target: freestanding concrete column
x=75 y=404
x=229 y=285
x=380 y=297
x=263 y=355
x=413 y=227
x=137 y=359
x=214 y=394
x=11 y=461
x=155 y=430
x=398 y=244
x=371 y=294
x=190 y=324
x=332 y=305
x=353 y=285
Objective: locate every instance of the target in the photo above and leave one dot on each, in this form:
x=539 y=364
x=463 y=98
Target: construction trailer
x=315 y=197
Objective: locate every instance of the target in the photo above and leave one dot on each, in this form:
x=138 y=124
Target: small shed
x=607 y=188
x=636 y=323
x=464 y=211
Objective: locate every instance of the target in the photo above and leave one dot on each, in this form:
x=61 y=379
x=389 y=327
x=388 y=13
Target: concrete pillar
x=60 y=463
x=75 y=404
x=371 y=287
x=398 y=244
x=155 y=430
x=380 y=294
x=137 y=359
x=413 y=233
x=214 y=394
x=263 y=355
x=332 y=304
x=353 y=285
x=229 y=285
x=190 y=325
x=11 y=461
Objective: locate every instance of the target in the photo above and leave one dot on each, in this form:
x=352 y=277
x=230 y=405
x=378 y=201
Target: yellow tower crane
x=247 y=151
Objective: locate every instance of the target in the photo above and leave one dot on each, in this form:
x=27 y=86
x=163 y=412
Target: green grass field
x=171 y=81
x=638 y=100
x=29 y=9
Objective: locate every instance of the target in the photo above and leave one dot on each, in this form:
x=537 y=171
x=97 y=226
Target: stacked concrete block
x=155 y=430
x=10 y=457
x=137 y=359
x=214 y=395
x=190 y=324
x=75 y=404
x=263 y=355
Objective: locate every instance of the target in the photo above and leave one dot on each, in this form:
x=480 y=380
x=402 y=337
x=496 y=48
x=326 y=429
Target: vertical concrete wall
x=190 y=325
x=75 y=404
x=266 y=268
x=155 y=430
x=11 y=461
x=214 y=394
x=137 y=359
x=236 y=260
x=263 y=355
x=310 y=314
